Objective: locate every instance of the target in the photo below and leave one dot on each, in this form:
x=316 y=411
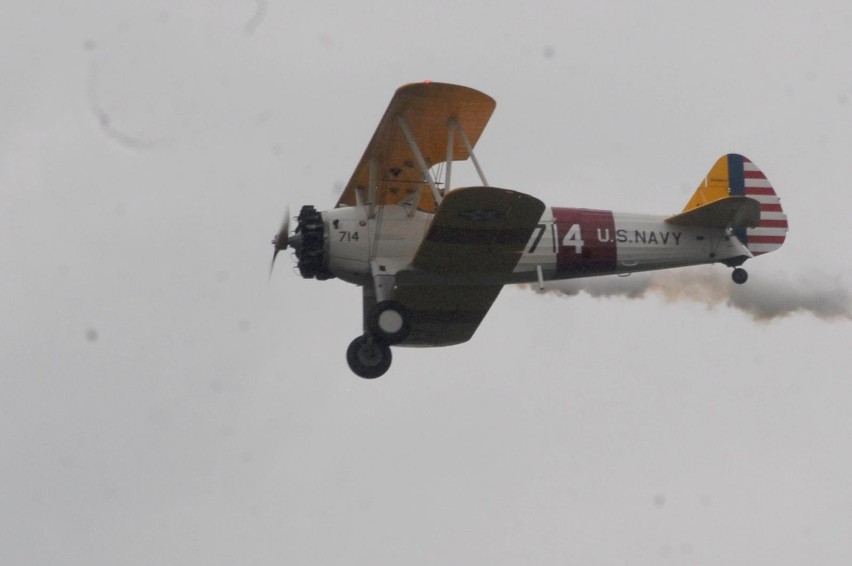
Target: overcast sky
x=164 y=403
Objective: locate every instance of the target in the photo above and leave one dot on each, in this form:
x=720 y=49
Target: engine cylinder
x=311 y=246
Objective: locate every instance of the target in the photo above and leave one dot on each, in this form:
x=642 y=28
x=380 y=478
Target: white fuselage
x=567 y=243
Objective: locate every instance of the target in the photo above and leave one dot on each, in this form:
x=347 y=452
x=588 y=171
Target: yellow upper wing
x=427 y=109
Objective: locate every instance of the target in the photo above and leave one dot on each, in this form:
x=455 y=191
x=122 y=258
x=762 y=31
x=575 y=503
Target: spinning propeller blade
x=281 y=238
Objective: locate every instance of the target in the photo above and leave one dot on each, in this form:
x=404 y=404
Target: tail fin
x=736 y=175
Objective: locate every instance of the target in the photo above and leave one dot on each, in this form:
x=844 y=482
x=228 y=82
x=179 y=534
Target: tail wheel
x=368 y=357
x=389 y=320
x=739 y=276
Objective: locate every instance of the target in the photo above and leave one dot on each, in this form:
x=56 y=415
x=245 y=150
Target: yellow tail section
x=716 y=186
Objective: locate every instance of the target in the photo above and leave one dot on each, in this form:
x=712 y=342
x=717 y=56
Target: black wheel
x=739 y=276
x=389 y=320
x=368 y=357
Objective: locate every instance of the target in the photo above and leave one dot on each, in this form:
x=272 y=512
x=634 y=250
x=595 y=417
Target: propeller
x=281 y=239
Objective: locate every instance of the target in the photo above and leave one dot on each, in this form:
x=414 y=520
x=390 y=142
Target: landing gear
x=369 y=357
x=390 y=321
x=739 y=275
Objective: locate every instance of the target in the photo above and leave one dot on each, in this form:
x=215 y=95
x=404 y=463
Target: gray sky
x=163 y=403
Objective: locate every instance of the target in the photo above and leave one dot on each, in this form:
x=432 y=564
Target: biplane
x=431 y=261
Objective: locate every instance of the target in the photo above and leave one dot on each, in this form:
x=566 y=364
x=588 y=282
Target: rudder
x=736 y=175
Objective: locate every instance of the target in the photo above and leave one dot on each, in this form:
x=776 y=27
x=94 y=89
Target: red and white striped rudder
x=769 y=235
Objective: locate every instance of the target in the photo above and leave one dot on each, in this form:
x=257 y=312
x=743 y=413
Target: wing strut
x=424 y=168
x=473 y=156
x=451 y=136
x=371 y=192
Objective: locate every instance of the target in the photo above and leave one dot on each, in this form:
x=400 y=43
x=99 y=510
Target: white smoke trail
x=764 y=297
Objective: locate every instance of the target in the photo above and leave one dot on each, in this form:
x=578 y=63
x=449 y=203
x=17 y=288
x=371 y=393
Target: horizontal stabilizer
x=727 y=212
